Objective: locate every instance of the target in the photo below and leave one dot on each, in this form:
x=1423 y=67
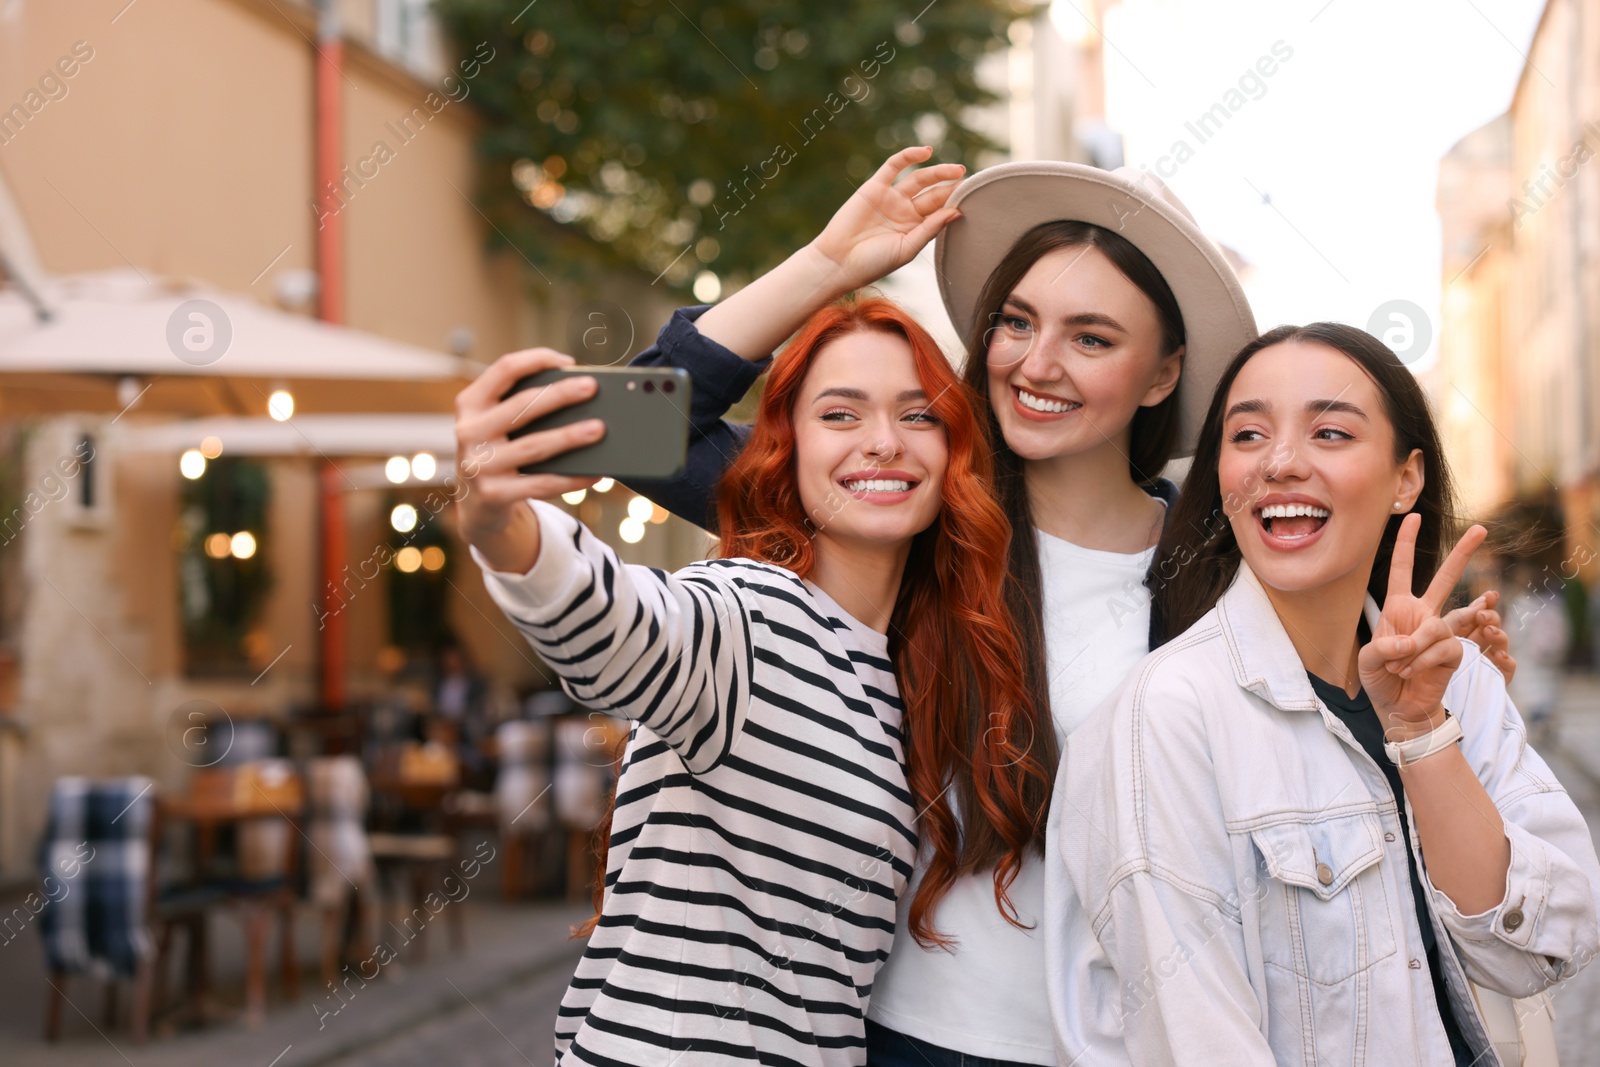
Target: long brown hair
x=1152 y=442
x=950 y=637
x=1198 y=555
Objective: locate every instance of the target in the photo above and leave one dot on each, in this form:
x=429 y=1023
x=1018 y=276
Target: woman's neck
x=1323 y=625
x=862 y=577
x=1090 y=499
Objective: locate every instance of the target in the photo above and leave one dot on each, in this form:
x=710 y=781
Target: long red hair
x=957 y=658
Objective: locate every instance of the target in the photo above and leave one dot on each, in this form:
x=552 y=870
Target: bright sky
x=1345 y=137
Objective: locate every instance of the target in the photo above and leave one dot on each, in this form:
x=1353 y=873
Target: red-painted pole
x=330 y=492
x=329 y=161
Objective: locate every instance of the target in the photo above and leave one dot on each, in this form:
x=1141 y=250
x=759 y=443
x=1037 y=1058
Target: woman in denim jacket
x=1299 y=829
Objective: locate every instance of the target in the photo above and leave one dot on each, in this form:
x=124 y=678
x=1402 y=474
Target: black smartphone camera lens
x=668 y=386
x=649 y=386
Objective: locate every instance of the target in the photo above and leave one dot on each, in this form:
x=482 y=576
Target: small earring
x=1397 y=505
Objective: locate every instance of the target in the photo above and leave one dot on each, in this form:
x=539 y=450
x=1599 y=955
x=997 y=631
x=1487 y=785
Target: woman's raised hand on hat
x=885 y=223
x=878 y=230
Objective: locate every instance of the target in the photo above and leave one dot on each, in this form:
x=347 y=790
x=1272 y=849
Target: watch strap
x=1438 y=739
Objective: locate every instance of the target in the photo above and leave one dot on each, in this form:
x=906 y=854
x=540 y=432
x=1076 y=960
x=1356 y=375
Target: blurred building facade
x=1518 y=381
x=1471 y=391
x=182 y=146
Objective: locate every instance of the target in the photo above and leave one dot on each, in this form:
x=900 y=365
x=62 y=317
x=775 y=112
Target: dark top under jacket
x=1361 y=717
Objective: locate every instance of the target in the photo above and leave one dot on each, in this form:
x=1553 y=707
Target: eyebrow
x=1083 y=318
x=858 y=394
x=1314 y=407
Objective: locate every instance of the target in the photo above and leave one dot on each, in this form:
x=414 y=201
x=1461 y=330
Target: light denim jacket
x=1225 y=878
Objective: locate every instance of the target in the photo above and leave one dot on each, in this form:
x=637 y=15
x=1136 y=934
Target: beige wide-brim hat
x=1001 y=203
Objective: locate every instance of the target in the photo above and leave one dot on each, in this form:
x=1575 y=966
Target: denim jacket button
x=1325 y=876
x=1416 y=965
x=1388 y=837
x=1511 y=920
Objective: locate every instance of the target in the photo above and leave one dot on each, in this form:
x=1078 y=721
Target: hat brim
x=1000 y=204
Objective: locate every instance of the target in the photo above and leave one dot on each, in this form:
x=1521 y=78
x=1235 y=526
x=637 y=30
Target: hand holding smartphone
x=646 y=415
x=536 y=425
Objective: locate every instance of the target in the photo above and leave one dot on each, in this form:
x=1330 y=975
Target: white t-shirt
x=986 y=998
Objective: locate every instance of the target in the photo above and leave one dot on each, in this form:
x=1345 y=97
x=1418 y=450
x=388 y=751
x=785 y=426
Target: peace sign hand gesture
x=1409 y=661
x=884 y=224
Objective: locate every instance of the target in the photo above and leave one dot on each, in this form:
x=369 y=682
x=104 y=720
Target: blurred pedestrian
x=1536 y=618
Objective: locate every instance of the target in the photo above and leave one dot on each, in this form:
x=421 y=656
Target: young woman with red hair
x=781 y=695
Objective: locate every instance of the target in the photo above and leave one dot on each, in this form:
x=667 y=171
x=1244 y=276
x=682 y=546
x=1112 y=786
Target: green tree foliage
x=625 y=132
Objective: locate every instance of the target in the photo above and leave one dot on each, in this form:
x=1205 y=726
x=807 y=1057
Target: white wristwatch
x=1437 y=739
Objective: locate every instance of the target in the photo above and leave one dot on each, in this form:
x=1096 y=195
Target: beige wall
x=184 y=147
x=1466 y=385
x=145 y=161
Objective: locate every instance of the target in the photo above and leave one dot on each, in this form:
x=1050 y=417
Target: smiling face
x=1074 y=353
x=870 y=456
x=1307 y=467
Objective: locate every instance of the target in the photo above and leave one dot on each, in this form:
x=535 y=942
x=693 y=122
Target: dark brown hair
x=1198 y=555
x=1152 y=441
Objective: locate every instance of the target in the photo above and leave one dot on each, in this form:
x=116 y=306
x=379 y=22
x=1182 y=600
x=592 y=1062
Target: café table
x=239 y=797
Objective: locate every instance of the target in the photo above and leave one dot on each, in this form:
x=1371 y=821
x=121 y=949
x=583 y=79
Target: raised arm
x=879 y=229
x=719 y=379
x=669 y=651
x=1505 y=853
x=1405 y=670
x=672 y=653
x=726 y=347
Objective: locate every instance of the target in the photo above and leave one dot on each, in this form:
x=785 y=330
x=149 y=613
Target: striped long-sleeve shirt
x=763 y=829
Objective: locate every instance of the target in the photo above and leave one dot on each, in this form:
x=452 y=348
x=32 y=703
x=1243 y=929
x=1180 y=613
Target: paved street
x=510 y=1027
x=1575 y=757
x=518 y=961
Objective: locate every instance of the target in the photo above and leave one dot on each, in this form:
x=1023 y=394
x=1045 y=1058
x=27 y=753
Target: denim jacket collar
x=1264 y=659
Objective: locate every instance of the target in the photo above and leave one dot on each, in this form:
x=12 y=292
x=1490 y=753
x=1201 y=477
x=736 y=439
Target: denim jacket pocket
x=1326 y=912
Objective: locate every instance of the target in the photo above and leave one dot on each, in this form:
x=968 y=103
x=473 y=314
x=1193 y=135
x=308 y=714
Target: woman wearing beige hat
x=1083 y=297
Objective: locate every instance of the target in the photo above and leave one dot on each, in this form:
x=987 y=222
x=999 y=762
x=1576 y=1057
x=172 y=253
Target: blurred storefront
x=167 y=537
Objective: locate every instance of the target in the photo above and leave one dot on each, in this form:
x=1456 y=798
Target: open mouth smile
x=1035 y=404
x=1291 y=524
x=883 y=487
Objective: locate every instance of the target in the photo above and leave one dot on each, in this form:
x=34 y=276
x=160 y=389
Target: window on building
x=223 y=577
x=422 y=555
x=407 y=32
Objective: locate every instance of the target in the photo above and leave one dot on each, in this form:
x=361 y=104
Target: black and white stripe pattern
x=763 y=829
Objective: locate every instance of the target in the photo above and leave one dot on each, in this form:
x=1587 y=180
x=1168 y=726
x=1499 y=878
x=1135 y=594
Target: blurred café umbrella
x=346 y=436
x=103 y=330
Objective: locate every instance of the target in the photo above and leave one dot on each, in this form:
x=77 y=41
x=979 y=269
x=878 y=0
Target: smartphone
x=646 y=412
